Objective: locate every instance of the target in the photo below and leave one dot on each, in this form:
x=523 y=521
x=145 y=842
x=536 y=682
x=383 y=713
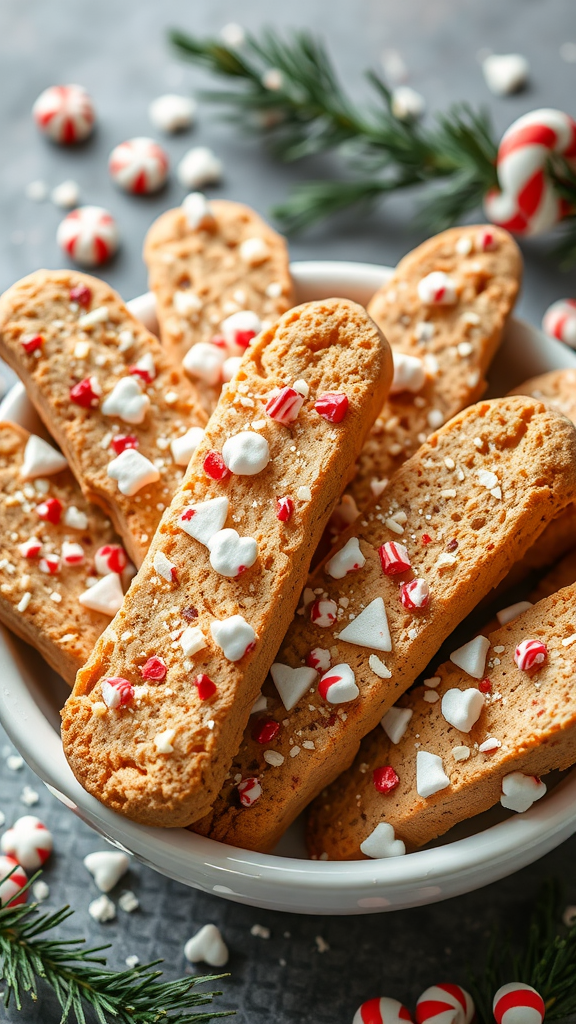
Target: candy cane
x=527 y=203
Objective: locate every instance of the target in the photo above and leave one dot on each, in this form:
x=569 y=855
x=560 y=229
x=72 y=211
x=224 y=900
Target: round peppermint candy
x=64 y=113
x=381 y=1011
x=9 y=886
x=89 y=235
x=518 y=1003
x=28 y=841
x=444 y=1004
x=559 y=321
x=139 y=165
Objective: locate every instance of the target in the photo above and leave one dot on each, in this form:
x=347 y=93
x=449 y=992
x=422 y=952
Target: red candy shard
x=215 y=467
x=265 y=730
x=393 y=558
x=284 y=509
x=50 y=564
x=188 y=514
x=81 y=294
x=415 y=594
x=121 y=442
x=83 y=394
x=385 y=779
x=144 y=375
x=332 y=406
x=485 y=686
x=50 y=510
x=249 y=791
x=284 y=406
x=530 y=654
x=206 y=688
x=33 y=343
x=243 y=338
x=426 y=538
x=154 y=668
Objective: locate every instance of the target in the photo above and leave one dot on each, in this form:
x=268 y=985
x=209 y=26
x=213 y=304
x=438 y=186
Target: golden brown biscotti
x=465 y=507
x=211 y=261
x=108 y=393
x=49 y=535
x=215 y=604
x=527 y=725
x=442 y=349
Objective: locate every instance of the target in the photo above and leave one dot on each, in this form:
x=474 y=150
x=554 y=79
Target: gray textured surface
x=117 y=50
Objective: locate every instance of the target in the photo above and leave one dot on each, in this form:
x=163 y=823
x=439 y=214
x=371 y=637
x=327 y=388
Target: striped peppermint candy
x=249 y=791
x=28 y=841
x=527 y=203
x=517 y=1003
x=10 y=886
x=89 y=235
x=139 y=165
x=116 y=691
x=445 y=1004
x=64 y=113
x=338 y=685
x=285 y=405
x=559 y=321
x=381 y=1011
x=530 y=654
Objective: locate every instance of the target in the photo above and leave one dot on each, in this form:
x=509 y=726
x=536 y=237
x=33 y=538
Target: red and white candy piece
x=10 y=886
x=415 y=594
x=437 y=289
x=89 y=235
x=234 y=636
x=238 y=331
x=338 y=685
x=50 y=510
x=520 y=791
x=86 y=393
x=28 y=841
x=110 y=558
x=559 y=321
x=284 y=509
x=381 y=1011
x=30 y=548
x=319 y=659
x=323 y=612
x=64 y=113
x=530 y=654
x=139 y=165
x=332 y=406
x=528 y=203
x=116 y=691
x=284 y=405
x=249 y=791
x=50 y=565
x=348 y=559
x=154 y=669
x=205 y=520
x=72 y=553
x=394 y=558
x=445 y=1004
x=517 y=1003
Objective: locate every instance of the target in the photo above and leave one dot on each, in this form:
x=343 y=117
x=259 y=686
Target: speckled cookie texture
x=218 y=262
x=443 y=312
x=106 y=390
x=527 y=724
x=456 y=516
x=224 y=572
x=46 y=564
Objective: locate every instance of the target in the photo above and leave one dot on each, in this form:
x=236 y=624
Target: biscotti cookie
x=110 y=396
x=158 y=712
x=462 y=742
x=443 y=312
x=219 y=274
x=58 y=588
x=446 y=529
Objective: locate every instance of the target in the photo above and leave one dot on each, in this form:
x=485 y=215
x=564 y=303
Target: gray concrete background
x=117 y=49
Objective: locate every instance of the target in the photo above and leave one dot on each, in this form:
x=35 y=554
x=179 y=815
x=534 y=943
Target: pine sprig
x=80 y=979
x=287 y=89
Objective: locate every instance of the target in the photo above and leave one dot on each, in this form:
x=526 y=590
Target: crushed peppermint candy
x=116 y=692
x=332 y=406
x=154 y=669
x=230 y=554
x=385 y=779
x=110 y=558
x=415 y=594
x=292 y=683
x=41 y=459
x=324 y=612
x=214 y=466
x=249 y=791
x=437 y=289
x=205 y=687
x=204 y=521
x=394 y=558
x=409 y=374
x=234 y=636
x=395 y=722
x=72 y=553
x=284 y=509
x=165 y=568
x=318 y=659
x=50 y=510
x=284 y=405
x=530 y=654
x=86 y=393
x=338 y=685
x=348 y=559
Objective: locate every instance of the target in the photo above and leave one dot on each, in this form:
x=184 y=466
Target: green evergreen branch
x=80 y=979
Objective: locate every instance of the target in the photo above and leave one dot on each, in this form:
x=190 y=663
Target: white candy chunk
x=395 y=722
x=204 y=361
x=231 y=554
x=471 y=657
x=163 y=741
x=72 y=554
x=382 y=843
x=505 y=73
x=164 y=567
x=348 y=559
x=203 y=521
x=292 y=683
x=462 y=708
x=430 y=774
x=198 y=211
x=199 y=167
x=246 y=453
x=369 y=628
x=407 y=104
x=107 y=867
x=172 y=113
x=192 y=641
x=378 y=667
x=461 y=753
x=183 y=447
x=187 y=303
x=133 y=471
x=126 y=401
x=102 y=909
x=234 y=636
x=128 y=902
x=105 y=596
x=520 y=791
x=437 y=289
x=512 y=612
x=146 y=364
x=338 y=685
x=75 y=519
x=66 y=194
x=409 y=374
x=237 y=326
x=254 y=251
x=207 y=946
x=28 y=841
x=260 y=704
x=41 y=459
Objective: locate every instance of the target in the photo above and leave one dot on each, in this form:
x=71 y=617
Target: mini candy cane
x=527 y=203
x=559 y=321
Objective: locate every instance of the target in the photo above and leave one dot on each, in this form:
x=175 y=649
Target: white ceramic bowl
x=470 y=856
